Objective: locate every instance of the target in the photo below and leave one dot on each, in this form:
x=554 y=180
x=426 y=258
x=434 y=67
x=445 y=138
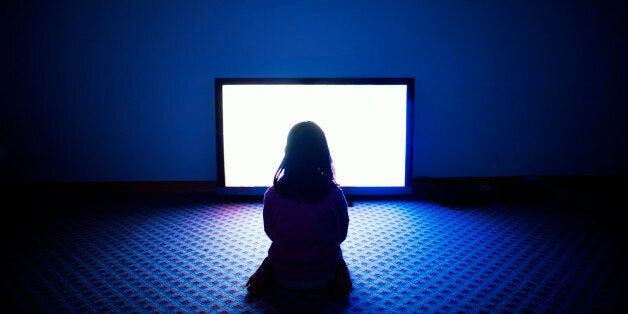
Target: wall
x=123 y=90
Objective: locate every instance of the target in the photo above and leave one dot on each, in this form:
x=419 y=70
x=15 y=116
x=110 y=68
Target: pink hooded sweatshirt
x=305 y=237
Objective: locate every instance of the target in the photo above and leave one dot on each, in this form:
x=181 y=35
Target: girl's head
x=306 y=171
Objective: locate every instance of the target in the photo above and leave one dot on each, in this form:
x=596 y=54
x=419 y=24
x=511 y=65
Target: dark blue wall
x=123 y=90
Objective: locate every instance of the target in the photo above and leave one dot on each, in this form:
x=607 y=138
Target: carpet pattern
x=193 y=254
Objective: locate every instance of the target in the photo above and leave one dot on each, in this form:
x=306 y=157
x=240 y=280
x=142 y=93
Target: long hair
x=306 y=172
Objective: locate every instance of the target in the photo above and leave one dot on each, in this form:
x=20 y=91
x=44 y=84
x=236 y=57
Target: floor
x=194 y=253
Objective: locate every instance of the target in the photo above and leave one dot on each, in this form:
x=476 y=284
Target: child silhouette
x=305 y=216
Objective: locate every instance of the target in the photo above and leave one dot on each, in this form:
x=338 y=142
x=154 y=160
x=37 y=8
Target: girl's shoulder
x=270 y=189
x=337 y=189
x=337 y=192
x=270 y=192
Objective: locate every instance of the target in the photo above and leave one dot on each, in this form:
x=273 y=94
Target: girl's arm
x=343 y=217
x=267 y=216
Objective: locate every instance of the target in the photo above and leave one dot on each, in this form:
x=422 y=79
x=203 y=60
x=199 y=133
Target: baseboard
x=109 y=187
x=463 y=191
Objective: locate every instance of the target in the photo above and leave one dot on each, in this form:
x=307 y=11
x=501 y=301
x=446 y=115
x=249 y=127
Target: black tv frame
x=349 y=190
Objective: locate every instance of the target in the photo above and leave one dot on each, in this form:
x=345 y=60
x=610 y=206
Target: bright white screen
x=365 y=126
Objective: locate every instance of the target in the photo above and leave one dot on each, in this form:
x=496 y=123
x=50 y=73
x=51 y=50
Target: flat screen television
x=367 y=122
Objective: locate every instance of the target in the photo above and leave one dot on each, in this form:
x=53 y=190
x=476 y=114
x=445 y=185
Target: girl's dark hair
x=306 y=172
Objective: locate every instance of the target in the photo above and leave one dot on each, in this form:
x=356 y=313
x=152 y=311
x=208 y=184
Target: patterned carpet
x=193 y=254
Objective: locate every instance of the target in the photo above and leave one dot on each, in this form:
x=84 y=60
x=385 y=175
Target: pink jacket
x=305 y=237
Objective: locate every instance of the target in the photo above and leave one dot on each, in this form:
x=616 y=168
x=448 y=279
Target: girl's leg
x=257 y=283
x=342 y=285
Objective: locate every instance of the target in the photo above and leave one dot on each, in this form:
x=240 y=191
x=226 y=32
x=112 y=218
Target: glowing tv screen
x=367 y=122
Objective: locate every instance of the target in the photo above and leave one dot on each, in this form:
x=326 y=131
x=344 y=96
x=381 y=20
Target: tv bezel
x=219 y=82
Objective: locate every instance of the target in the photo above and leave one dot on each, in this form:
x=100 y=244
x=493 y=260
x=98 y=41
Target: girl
x=305 y=216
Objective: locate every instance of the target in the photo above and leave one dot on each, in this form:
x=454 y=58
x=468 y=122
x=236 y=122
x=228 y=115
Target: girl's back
x=305 y=236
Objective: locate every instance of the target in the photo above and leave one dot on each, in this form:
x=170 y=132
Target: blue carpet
x=192 y=254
